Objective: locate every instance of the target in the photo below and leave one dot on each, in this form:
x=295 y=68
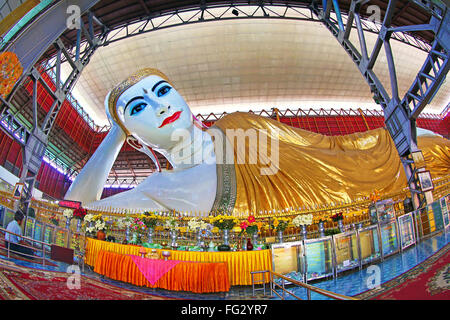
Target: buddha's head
x=148 y=107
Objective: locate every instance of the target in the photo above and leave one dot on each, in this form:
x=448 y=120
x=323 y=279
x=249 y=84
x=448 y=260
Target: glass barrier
x=61 y=237
x=346 y=251
x=318 y=258
x=406 y=230
x=369 y=244
x=385 y=210
x=37 y=234
x=389 y=238
x=29 y=227
x=437 y=215
x=48 y=235
x=286 y=259
x=373 y=213
x=445 y=212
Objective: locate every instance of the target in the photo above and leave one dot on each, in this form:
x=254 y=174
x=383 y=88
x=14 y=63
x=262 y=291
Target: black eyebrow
x=157 y=84
x=131 y=100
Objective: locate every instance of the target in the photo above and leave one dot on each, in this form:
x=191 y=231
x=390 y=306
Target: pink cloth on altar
x=153 y=269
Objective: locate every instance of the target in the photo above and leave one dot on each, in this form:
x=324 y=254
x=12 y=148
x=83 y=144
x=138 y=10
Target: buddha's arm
x=192 y=189
x=89 y=183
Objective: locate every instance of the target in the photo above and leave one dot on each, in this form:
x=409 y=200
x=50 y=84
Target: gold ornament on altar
x=10 y=72
x=375 y=196
x=153 y=255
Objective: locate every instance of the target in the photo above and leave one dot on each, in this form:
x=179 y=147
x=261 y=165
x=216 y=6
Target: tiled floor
x=349 y=284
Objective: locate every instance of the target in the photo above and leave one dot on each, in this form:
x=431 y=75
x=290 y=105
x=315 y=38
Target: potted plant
x=100 y=226
x=54 y=219
x=280 y=224
x=224 y=223
x=201 y=227
x=139 y=229
x=79 y=214
x=150 y=220
x=339 y=217
x=68 y=214
x=302 y=221
x=250 y=227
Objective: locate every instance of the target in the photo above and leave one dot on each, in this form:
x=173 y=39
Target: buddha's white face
x=152 y=110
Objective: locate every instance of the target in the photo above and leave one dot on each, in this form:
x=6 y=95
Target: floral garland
x=10 y=72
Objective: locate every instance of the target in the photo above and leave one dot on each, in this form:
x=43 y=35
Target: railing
x=35 y=245
x=284 y=291
x=352 y=249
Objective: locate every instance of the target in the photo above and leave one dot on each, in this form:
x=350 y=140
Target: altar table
x=240 y=264
x=198 y=277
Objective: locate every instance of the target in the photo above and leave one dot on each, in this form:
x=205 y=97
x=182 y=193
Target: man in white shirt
x=14 y=241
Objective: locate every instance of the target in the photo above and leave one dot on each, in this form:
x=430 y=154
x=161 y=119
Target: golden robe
x=313 y=168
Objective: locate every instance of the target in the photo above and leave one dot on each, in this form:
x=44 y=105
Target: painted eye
x=137 y=108
x=163 y=91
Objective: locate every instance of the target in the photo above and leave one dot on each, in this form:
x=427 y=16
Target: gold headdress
x=126 y=84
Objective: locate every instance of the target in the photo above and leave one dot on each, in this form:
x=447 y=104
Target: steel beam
x=400 y=115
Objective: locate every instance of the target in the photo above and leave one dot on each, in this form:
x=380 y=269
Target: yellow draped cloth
x=316 y=169
x=240 y=264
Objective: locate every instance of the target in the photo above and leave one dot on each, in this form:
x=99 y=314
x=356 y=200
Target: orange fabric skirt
x=185 y=276
x=240 y=264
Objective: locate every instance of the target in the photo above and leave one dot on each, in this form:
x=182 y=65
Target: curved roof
x=249 y=64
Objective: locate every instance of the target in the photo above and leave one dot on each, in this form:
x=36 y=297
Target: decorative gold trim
x=226 y=178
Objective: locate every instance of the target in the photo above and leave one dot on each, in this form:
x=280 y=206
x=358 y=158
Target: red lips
x=170 y=119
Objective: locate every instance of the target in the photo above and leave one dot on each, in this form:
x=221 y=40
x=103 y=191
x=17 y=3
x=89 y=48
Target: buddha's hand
x=111 y=120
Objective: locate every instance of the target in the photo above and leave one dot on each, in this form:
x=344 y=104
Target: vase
x=255 y=238
x=226 y=237
x=199 y=238
x=68 y=223
x=127 y=234
x=173 y=237
x=341 y=226
x=304 y=232
x=79 y=225
x=249 y=245
x=280 y=236
x=321 y=230
x=101 y=235
x=150 y=235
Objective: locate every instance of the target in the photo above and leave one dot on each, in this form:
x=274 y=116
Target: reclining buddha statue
x=244 y=163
